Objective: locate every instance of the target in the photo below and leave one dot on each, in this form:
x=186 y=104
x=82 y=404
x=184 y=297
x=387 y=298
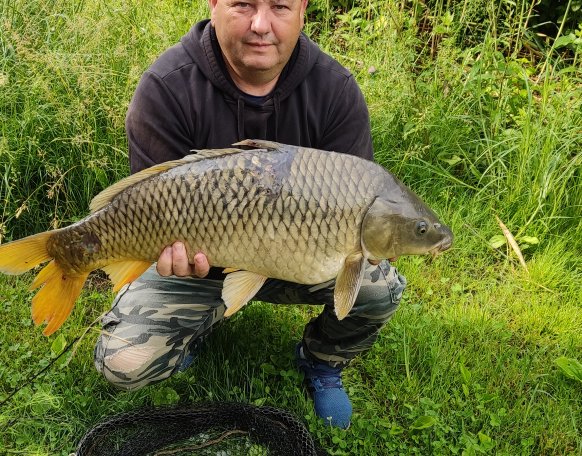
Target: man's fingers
x=174 y=261
x=201 y=266
x=164 y=265
x=180 y=265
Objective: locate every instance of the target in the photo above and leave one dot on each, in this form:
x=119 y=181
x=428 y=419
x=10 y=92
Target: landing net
x=216 y=428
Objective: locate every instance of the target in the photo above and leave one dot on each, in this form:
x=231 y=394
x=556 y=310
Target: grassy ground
x=473 y=122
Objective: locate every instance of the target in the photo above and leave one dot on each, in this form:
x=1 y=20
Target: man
x=249 y=72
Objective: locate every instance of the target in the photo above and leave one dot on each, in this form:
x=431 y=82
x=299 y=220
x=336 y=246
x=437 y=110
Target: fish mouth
x=442 y=246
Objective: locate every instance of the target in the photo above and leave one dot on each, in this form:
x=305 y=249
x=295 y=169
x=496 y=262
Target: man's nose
x=261 y=21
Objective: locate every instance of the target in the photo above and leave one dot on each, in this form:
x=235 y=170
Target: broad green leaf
x=487 y=442
x=268 y=369
x=570 y=367
x=564 y=40
x=465 y=373
x=165 y=396
x=384 y=423
x=396 y=430
x=58 y=345
x=424 y=422
x=448 y=19
x=494 y=420
x=453 y=160
x=529 y=240
x=497 y=241
x=457 y=288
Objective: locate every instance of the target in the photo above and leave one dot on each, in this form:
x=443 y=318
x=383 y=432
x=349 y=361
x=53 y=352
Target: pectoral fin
x=124 y=272
x=239 y=288
x=347 y=284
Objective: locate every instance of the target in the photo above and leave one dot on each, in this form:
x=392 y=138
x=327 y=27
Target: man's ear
x=303 y=9
x=212 y=5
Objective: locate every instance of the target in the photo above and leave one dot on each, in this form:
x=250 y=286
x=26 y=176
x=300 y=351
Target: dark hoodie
x=186 y=100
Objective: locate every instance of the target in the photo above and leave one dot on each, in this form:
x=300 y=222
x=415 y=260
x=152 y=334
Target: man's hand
x=174 y=261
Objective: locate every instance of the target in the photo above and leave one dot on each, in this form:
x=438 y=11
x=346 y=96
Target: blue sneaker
x=193 y=351
x=325 y=387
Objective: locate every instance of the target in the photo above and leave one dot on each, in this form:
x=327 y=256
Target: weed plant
x=469 y=106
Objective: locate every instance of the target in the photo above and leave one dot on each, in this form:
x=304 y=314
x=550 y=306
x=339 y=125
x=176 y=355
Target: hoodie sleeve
x=348 y=127
x=155 y=124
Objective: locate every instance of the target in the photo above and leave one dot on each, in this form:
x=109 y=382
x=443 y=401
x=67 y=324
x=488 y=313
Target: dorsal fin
x=259 y=144
x=105 y=197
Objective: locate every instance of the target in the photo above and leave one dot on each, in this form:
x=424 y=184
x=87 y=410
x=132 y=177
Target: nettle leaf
x=424 y=422
x=497 y=241
x=570 y=367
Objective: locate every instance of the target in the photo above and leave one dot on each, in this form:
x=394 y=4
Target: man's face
x=257 y=35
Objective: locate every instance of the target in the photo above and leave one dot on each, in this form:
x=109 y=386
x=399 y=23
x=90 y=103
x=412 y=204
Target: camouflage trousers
x=156 y=322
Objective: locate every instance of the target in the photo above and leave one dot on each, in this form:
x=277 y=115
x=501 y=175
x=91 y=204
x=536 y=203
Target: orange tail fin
x=20 y=256
x=55 y=300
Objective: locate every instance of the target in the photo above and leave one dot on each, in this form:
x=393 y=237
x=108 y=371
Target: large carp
x=260 y=210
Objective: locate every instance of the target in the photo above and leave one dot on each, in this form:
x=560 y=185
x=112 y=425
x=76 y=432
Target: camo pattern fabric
x=157 y=323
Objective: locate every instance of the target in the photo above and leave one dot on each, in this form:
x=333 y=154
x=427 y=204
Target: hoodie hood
x=202 y=46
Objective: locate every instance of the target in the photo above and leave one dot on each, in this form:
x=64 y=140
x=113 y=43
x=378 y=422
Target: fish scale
x=266 y=210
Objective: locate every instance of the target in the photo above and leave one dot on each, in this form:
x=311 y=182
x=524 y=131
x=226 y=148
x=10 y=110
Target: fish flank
x=292 y=213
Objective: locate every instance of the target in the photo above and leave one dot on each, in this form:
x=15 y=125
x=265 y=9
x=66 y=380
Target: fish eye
x=421 y=227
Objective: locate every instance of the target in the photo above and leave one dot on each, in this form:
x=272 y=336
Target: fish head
x=403 y=225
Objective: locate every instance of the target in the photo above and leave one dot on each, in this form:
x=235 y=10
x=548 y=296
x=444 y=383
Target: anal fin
x=347 y=284
x=239 y=288
x=123 y=272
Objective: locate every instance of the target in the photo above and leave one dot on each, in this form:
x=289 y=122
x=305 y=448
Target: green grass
x=473 y=346
x=460 y=110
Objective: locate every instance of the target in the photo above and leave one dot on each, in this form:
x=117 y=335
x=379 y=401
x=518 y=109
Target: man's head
x=257 y=37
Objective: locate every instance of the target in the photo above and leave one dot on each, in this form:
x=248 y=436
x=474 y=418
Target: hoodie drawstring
x=241 y=118
x=277 y=103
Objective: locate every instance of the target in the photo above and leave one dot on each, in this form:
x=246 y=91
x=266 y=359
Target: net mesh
x=218 y=428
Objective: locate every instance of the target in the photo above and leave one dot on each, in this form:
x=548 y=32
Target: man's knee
x=380 y=293
x=152 y=324
x=133 y=366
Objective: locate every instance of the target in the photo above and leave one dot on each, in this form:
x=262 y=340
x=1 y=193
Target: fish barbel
x=261 y=209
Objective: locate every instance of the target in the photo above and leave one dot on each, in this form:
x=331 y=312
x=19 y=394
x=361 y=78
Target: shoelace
x=325 y=376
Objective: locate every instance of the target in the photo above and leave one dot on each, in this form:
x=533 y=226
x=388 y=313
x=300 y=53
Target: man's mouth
x=259 y=44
